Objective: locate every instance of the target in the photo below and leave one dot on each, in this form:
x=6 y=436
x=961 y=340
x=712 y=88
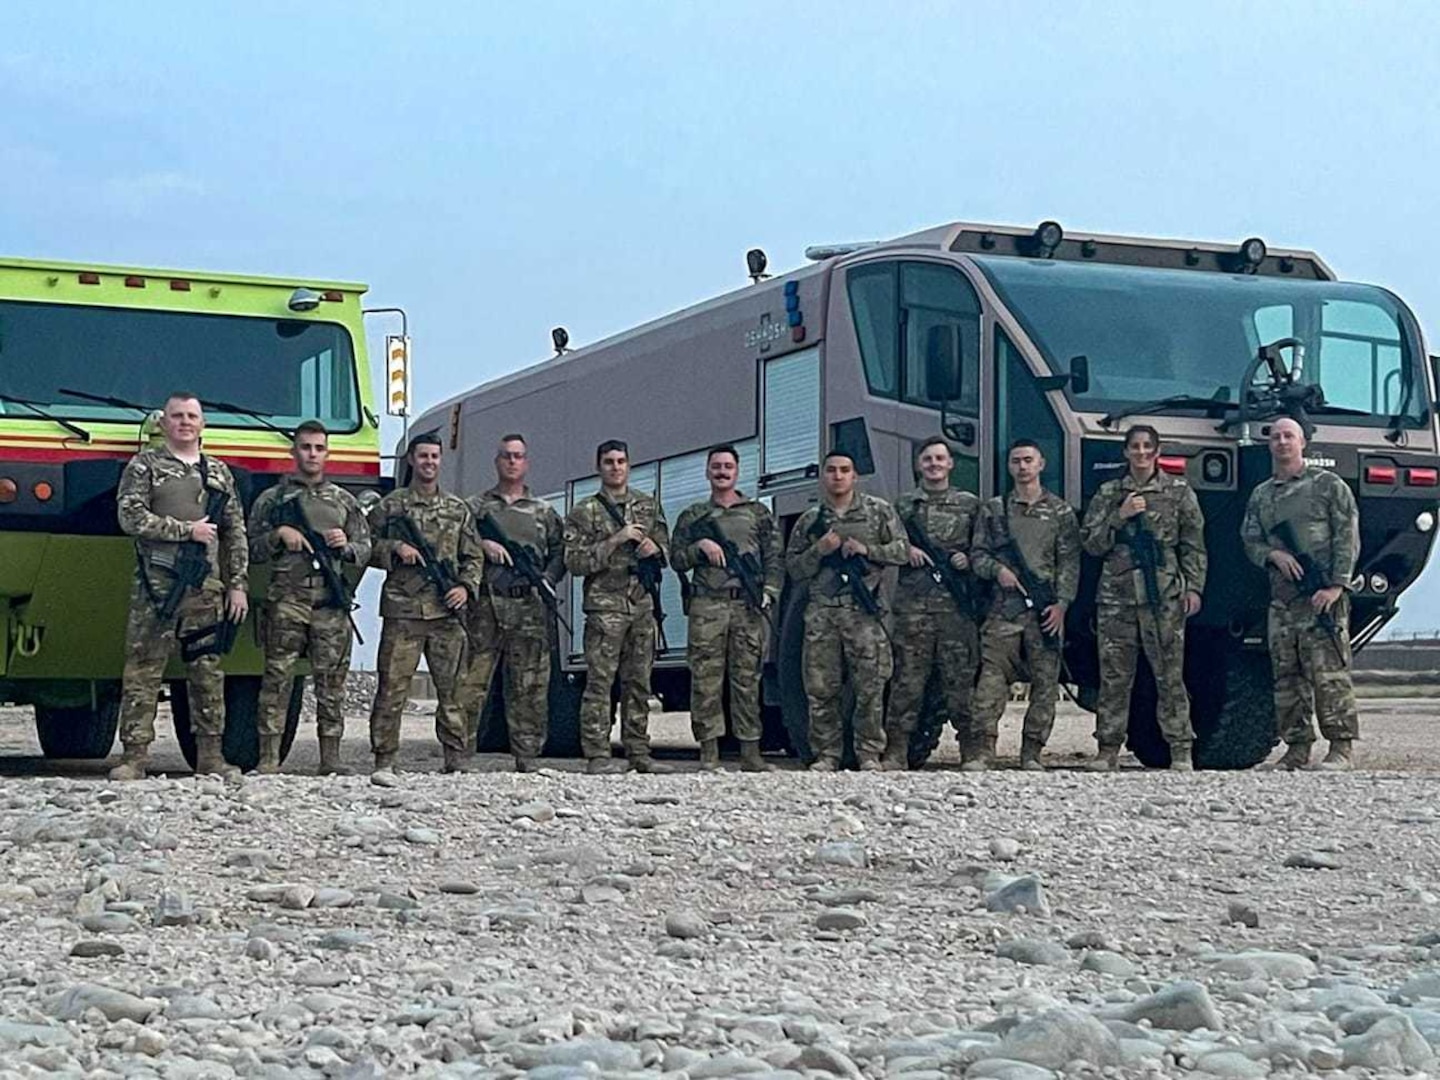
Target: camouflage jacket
x=324 y=506
x=869 y=519
x=948 y=519
x=446 y=522
x=529 y=522
x=159 y=498
x=1321 y=508
x=1047 y=534
x=748 y=525
x=609 y=573
x=1172 y=513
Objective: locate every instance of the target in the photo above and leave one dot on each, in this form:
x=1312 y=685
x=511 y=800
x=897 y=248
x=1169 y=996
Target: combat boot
x=606 y=766
x=750 y=759
x=980 y=758
x=1338 y=758
x=1106 y=760
x=896 y=757
x=824 y=764
x=269 y=763
x=1030 y=755
x=210 y=758
x=132 y=763
x=1297 y=756
x=644 y=763
x=330 y=758
x=710 y=755
x=526 y=764
x=459 y=761
x=871 y=764
x=1180 y=759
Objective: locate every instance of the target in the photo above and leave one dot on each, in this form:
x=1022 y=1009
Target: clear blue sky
x=501 y=168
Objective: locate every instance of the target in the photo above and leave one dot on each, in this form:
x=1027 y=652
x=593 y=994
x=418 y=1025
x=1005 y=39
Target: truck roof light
x=179 y=286
x=42 y=491
x=1044 y=240
x=1175 y=466
x=89 y=277
x=133 y=282
x=1422 y=477
x=560 y=338
x=303 y=300
x=755 y=263
x=1252 y=254
x=1384 y=475
x=8 y=490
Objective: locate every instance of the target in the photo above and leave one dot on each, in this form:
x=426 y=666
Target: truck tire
x=492 y=735
x=1143 y=732
x=1232 y=706
x=563 y=736
x=930 y=726
x=794 y=707
x=242 y=701
x=80 y=732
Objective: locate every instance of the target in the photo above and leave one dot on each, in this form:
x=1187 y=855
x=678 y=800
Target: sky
x=499 y=169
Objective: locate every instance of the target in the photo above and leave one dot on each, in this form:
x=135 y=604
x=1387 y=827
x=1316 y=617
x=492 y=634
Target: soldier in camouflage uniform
x=162 y=503
x=1034 y=535
x=934 y=632
x=1310 y=665
x=620 y=628
x=510 y=626
x=417 y=618
x=837 y=548
x=300 y=615
x=1145 y=500
x=727 y=633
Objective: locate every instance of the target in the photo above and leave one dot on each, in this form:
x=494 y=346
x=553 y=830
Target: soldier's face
x=512 y=461
x=936 y=464
x=839 y=477
x=721 y=471
x=425 y=462
x=1140 y=452
x=311 y=451
x=1287 y=442
x=183 y=421
x=1025 y=465
x=614 y=468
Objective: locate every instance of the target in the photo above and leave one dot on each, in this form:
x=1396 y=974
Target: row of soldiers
x=981 y=599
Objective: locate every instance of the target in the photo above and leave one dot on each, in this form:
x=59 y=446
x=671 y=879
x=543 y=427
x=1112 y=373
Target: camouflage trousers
x=1015 y=650
x=149 y=644
x=511 y=634
x=842 y=640
x=1311 y=673
x=295 y=627
x=726 y=638
x=402 y=643
x=944 y=644
x=1124 y=631
x=617 y=643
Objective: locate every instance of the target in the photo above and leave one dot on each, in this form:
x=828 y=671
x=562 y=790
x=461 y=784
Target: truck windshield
x=1155 y=334
x=285 y=369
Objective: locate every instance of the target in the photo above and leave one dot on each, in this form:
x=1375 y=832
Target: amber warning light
x=397 y=375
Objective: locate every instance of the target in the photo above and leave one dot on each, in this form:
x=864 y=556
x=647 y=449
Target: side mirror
x=1080 y=374
x=944 y=363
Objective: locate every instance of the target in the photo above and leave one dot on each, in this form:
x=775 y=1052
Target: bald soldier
x=1303 y=528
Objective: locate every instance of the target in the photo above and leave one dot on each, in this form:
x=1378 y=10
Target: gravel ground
x=1005 y=925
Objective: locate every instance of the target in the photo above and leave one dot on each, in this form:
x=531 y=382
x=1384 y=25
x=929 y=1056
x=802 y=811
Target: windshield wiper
x=1214 y=406
x=105 y=399
x=38 y=409
x=209 y=403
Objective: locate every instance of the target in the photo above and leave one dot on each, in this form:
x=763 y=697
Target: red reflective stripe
x=1380 y=474
x=1422 y=477
x=1175 y=466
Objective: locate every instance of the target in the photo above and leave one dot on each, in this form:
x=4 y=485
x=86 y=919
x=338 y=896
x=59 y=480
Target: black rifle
x=522 y=561
x=1148 y=558
x=323 y=560
x=1036 y=593
x=440 y=573
x=940 y=570
x=1312 y=580
x=649 y=571
x=744 y=568
x=850 y=569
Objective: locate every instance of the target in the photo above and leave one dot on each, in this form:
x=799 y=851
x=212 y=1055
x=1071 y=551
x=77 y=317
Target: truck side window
x=873 y=295
x=933 y=295
x=1022 y=412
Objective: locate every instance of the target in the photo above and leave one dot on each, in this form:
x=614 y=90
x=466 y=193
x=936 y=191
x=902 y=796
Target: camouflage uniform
x=931 y=632
x=619 y=621
x=725 y=632
x=510 y=625
x=839 y=636
x=416 y=620
x=1125 y=621
x=1321 y=508
x=159 y=498
x=1047 y=534
x=299 y=617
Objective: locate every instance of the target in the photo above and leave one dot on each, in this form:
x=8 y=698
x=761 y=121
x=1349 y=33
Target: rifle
x=1311 y=581
x=744 y=568
x=649 y=571
x=1145 y=551
x=1035 y=592
x=522 y=561
x=940 y=570
x=850 y=569
x=290 y=513
x=440 y=573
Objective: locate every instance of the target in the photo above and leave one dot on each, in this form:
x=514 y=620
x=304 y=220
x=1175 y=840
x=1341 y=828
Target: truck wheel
x=492 y=735
x=242 y=701
x=930 y=726
x=794 y=708
x=1232 y=707
x=563 y=737
x=80 y=732
x=1143 y=734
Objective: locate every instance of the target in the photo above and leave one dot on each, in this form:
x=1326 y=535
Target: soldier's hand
x=919 y=558
x=851 y=546
x=456 y=598
x=1053 y=619
x=630 y=534
x=292 y=538
x=647 y=548
x=336 y=538
x=1134 y=504
x=1287 y=564
x=496 y=553
x=237 y=605
x=1324 y=599
x=203 y=531
x=1007 y=579
x=408 y=555
x=828 y=543
x=1191 y=603
x=960 y=561
x=712 y=551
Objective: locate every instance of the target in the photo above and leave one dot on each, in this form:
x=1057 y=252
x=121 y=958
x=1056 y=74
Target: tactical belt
x=514 y=592
x=704 y=593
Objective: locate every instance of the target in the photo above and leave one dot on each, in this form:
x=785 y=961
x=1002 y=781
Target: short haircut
x=1139 y=429
x=312 y=427
x=610 y=445
x=723 y=448
x=425 y=438
x=840 y=454
x=934 y=440
x=512 y=437
x=1025 y=444
x=179 y=395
